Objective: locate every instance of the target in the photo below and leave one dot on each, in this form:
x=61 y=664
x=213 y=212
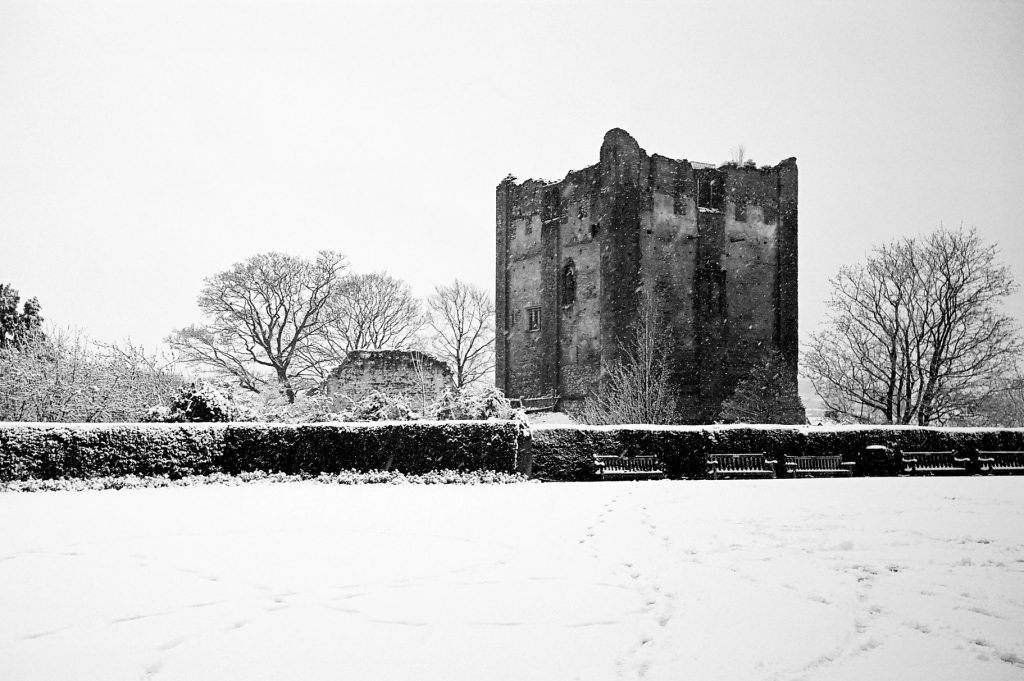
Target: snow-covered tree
x=263 y=315
x=17 y=326
x=461 y=319
x=63 y=376
x=367 y=312
x=915 y=334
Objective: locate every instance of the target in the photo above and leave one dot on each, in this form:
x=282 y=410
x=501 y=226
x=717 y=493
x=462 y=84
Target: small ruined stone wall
x=415 y=374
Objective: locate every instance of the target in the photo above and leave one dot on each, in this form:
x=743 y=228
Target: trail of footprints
x=643 y=571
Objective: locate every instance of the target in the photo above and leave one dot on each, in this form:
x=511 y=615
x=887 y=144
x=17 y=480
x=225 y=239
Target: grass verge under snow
x=780 y=579
x=445 y=477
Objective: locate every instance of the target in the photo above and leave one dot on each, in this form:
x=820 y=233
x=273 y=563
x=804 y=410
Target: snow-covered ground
x=787 y=579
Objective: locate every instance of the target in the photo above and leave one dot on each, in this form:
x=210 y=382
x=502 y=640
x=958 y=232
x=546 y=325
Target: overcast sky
x=147 y=145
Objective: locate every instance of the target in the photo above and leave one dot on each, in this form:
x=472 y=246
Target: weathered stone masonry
x=717 y=247
x=417 y=375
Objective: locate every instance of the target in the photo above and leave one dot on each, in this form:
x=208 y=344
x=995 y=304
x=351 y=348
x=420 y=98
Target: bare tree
x=62 y=376
x=638 y=386
x=425 y=387
x=368 y=312
x=739 y=155
x=765 y=395
x=263 y=315
x=1003 y=407
x=461 y=319
x=915 y=334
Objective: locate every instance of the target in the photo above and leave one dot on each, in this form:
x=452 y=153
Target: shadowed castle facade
x=716 y=248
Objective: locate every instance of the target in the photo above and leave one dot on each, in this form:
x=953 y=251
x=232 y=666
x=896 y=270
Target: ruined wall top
x=622 y=160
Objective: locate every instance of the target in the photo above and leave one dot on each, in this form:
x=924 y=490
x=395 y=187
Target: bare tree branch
x=62 y=376
x=461 y=319
x=637 y=388
x=915 y=334
x=263 y=315
x=367 y=312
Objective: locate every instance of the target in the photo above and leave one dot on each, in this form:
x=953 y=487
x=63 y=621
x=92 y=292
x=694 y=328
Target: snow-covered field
x=788 y=579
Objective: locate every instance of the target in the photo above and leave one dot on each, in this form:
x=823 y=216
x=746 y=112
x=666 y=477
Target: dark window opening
x=722 y=293
x=741 y=212
x=594 y=229
x=533 y=319
x=713 y=292
x=679 y=204
x=710 y=192
x=569 y=283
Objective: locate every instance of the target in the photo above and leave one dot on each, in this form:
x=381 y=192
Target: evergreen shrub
x=51 y=451
x=45 y=451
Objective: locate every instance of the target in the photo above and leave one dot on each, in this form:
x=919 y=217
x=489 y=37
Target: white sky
x=145 y=145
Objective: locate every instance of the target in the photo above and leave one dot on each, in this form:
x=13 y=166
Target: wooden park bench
x=747 y=465
x=930 y=463
x=1007 y=462
x=818 y=466
x=639 y=467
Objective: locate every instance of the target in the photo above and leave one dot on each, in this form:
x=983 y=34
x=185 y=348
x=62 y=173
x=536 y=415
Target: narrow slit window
x=533 y=319
x=569 y=284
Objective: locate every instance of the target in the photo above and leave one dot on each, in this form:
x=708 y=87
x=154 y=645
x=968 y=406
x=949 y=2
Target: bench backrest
x=816 y=463
x=741 y=462
x=643 y=462
x=1004 y=458
x=933 y=458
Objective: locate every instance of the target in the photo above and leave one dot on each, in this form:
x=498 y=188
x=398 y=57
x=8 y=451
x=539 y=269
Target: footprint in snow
x=152 y=669
x=173 y=643
x=41 y=634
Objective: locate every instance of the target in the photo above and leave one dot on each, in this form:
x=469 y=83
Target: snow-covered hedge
x=550 y=452
x=850 y=441
x=566 y=452
x=46 y=451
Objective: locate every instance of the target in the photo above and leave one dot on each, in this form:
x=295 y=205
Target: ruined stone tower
x=716 y=247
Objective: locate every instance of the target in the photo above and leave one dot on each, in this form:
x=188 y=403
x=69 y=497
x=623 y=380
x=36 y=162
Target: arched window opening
x=568 y=283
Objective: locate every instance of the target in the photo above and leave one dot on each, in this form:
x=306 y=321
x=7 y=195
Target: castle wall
x=668 y=241
x=524 y=256
x=620 y=204
x=719 y=265
x=579 y=359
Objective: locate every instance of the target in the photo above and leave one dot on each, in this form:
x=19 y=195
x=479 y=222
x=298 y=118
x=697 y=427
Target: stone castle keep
x=715 y=247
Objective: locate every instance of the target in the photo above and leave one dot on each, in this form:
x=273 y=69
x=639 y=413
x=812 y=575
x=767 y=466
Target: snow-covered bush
x=378 y=406
x=474 y=403
x=305 y=409
x=201 y=402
